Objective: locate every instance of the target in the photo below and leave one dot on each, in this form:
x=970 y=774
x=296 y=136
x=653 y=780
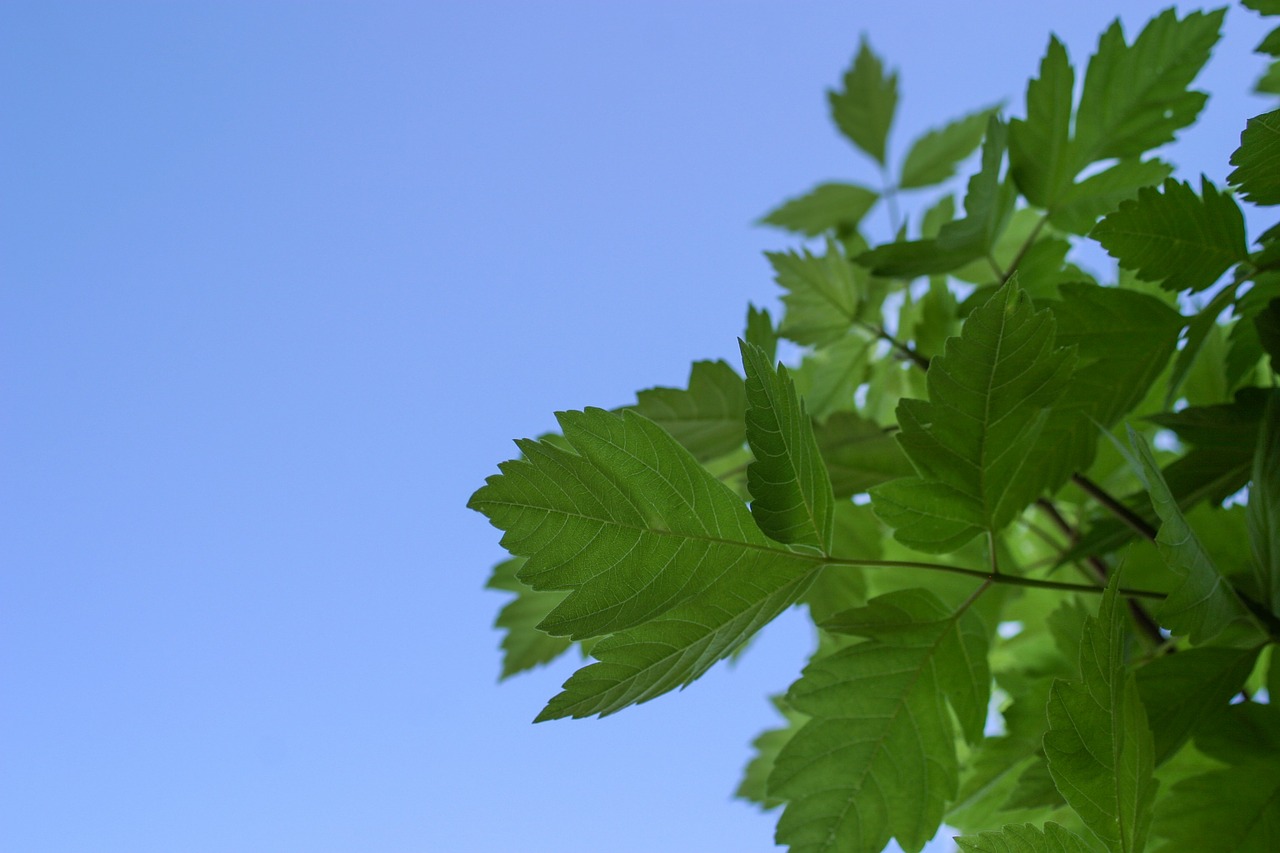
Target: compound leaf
x=877 y=758
x=972 y=442
x=1098 y=745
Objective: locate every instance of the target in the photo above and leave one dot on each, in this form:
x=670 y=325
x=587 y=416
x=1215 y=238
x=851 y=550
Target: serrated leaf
x=1235 y=809
x=1025 y=838
x=864 y=108
x=1041 y=161
x=859 y=453
x=933 y=157
x=755 y=776
x=1174 y=237
x=1257 y=160
x=833 y=207
x=972 y=442
x=791 y=496
x=1204 y=604
x=628 y=523
x=1264 y=508
x=823 y=294
x=1102 y=193
x=760 y=331
x=1185 y=691
x=1098 y=745
x=1135 y=96
x=877 y=758
x=524 y=646
x=707 y=418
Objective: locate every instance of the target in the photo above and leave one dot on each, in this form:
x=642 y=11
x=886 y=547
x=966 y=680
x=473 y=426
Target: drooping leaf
x=830 y=207
x=859 y=453
x=524 y=646
x=877 y=758
x=822 y=297
x=1264 y=508
x=1235 y=809
x=1135 y=96
x=1204 y=605
x=972 y=441
x=864 y=108
x=706 y=418
x=1041 y=160
x=1098 y=745
x=1184 y=241
x=933 y=157
x=628 y=523
x=1185 y=691
x=791 y=495
x=1257 y=160
x=1025 y=838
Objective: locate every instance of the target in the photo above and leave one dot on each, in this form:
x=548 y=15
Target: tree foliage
x=1033 y=512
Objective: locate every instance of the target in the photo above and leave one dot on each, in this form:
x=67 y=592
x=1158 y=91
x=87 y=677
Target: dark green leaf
x=1025 y=838
x=791 y=496
x=1264 y=508
x=864 y=108
x=831 y=207
x=760 y=331
x=1041 y=161
x=1183 y=692
x=1257 y=160
x=1267 y=325
x=933 y=157
x=877 y=758
x=1098 y=744
x=707 y=418
x=1184 y=241
x=1102 y=193
x=859 y=453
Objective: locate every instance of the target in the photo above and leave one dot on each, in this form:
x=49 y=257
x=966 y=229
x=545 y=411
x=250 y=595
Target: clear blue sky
x=279 y=282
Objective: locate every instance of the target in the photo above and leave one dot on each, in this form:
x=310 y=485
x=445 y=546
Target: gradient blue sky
x=281 y=281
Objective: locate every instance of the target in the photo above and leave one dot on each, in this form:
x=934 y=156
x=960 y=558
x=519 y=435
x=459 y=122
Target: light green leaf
x=1041 y=161
x=1264 y=508
x=1098 y=744
x=864 y=108
x=933 y=157
x=628 y=523
x=1235 y=809
x=827 y=207
x=524 y=646
x=1136 y=97
x=1174 y=237
x=791 y=496
x=1188 y=690
x=859 y=453
x=707 y=418
x=1204 y=605
x=828 y=377
x=877 y=758
x=1257 y=160
x=972 y=442
x=823 y=294
x=1025 y=838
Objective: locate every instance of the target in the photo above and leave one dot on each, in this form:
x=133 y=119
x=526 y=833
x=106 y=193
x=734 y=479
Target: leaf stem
x=920 y=361
x=1115 y=507
x=1012 y=580
x=1023 y=249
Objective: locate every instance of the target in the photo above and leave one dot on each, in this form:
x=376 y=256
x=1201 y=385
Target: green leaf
x=1136 y=97
x=707 y=418
x=524 y=646
x=760 y=331
x=1204 y=604
x=1098 y=744
x=1257 y=160
x=1184 y=241
x=972 y=442
x=828 y=377
x=791 y=496
x=628 y=523
x=1041 y=161
x=1267 y=325
x=1184 y=692
x=1264 y=508
x=1235 y=809
x=1198 y=331
x=877 y=758
x=1025 y=838
x=833 y=207
x=823 y=294
x=933 y=157
x=864 y=108
x=767 y=745
x=859 y=453
x=1102 y=193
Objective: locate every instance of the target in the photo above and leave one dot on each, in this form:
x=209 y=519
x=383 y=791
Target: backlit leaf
x=706 y=418
x=1257 y=160
x=864 y=108
x=822 y=297
x=1025 y=838
x=933 y=157
x=524 y=646
x=827 y=207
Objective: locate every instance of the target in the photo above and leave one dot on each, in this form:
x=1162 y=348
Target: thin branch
x=1115 y=507
x=920 y=361
x=1022 y=250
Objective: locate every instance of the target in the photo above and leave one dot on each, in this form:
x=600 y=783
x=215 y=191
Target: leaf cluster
x=1033 y=511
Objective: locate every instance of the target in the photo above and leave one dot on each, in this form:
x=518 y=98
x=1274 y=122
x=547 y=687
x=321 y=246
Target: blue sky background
x=279 y=283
